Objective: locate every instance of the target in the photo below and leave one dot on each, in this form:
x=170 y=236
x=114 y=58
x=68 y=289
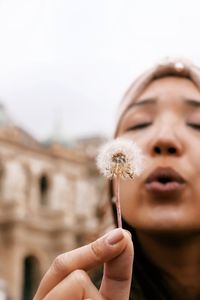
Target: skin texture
x=168 y=126
x=168 y=130
x=67 y=277
x=167 y=226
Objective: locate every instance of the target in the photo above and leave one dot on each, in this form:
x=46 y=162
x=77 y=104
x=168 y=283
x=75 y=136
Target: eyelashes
x=138 y=126
x=147 y=124
x=194 y=125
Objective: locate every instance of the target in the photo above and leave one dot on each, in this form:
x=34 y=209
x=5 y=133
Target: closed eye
x=138 y=126
x=194 y=125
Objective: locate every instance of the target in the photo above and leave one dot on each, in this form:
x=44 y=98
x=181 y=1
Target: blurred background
x=64 y=66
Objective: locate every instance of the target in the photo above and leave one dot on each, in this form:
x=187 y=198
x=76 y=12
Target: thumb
x=118 y=273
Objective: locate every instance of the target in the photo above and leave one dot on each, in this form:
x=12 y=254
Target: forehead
x=171 y=85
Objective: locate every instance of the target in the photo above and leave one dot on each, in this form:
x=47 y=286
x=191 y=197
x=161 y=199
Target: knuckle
x=80 y=277
x=59 y=263
x=97 y=250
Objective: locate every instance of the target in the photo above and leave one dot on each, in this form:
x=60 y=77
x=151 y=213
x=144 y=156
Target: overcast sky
x=66 y=64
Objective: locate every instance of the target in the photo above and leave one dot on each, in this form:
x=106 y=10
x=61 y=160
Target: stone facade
x=52 y=200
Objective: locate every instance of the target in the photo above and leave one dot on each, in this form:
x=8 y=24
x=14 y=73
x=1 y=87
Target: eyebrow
x=147 y=101
x=144 y=102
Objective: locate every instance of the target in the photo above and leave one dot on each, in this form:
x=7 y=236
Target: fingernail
x=115 y=236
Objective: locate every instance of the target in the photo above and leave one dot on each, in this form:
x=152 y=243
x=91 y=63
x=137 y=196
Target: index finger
x=100 y=251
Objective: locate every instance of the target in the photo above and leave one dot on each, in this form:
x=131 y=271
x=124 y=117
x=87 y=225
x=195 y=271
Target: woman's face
x=165 y=122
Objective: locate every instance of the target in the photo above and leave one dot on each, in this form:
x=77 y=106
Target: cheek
x=194 y=159
x=129 y=194
x=142 y=139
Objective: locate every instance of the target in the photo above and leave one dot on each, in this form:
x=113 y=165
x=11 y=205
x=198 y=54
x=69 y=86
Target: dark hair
x=147 y=279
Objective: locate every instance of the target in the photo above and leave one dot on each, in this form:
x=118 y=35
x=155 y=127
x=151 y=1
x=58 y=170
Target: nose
x=166 y=141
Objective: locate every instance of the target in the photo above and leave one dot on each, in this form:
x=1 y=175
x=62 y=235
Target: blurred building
x=52 y=200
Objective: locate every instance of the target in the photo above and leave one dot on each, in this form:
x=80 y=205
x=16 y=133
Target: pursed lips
x=164 y=180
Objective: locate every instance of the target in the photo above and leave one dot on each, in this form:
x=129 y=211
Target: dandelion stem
x=119 y=218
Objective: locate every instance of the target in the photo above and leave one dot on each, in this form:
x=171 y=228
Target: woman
x=161 y=208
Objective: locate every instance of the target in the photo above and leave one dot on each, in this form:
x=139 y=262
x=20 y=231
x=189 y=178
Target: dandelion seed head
x=120 y=157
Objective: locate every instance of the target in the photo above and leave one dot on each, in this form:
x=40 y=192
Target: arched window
x=31 y=277
x=43 y=187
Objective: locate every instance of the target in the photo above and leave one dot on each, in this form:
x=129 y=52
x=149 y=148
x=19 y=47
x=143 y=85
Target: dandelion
x=120 y=158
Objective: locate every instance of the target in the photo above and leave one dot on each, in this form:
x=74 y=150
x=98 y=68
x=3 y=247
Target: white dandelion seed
x=120 y=158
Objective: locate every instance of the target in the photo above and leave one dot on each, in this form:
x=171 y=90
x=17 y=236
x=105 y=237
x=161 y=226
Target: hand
x=67 y=279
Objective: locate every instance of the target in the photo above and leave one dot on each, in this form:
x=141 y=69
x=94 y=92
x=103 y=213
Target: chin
x=162 y=222
x=172 y=234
